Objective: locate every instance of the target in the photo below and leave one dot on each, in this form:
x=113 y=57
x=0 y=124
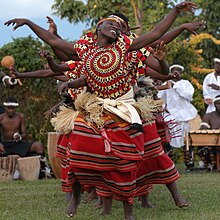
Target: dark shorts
x=20 y=148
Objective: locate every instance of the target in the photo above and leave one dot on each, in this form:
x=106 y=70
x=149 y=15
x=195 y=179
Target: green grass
x=43 y=200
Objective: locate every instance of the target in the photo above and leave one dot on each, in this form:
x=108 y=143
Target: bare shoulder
x=2 y=116
x=20 y=115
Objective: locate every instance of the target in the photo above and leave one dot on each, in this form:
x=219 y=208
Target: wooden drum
x=29 y=167
x=51 y=149
x=7 y=167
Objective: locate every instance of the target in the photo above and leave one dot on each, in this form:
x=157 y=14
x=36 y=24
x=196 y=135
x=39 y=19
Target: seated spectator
x=210 y=120
x=14 y=134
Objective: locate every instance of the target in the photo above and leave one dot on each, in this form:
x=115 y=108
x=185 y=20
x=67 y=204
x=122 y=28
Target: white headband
x=216 y=99
x=216 y=60
x=176 y=66
x=204 y=124
x=14 y=104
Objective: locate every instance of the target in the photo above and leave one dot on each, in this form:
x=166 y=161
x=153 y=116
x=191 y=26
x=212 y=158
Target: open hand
x=62 y=87
x=186 y=6
x=194 y=25
x=45 y=54
x=52 y=26
x=17 y=22
x=160 y=51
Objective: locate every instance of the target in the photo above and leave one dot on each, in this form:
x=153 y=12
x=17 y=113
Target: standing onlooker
x=211 y=86
x=179 y=109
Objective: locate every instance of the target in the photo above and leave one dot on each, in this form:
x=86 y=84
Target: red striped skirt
x=124 y=172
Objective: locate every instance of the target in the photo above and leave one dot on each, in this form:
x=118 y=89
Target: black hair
x=122 y=16
x=11 y=99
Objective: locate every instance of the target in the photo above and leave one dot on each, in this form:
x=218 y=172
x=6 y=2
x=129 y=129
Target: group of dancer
x=109 y=140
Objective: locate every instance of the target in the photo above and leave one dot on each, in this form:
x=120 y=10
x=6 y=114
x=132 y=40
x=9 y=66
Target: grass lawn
x=43 y=200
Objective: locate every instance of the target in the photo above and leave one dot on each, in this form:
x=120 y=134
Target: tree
x=35 y=96
x=93 y=10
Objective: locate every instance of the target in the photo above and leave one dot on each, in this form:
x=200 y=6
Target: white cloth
x=122 y=107
x=208 y=92
x=177 y=101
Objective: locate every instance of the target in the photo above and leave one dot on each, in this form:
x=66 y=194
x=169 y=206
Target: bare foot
x=181 y=203
x=145 y=202
x=147 y=205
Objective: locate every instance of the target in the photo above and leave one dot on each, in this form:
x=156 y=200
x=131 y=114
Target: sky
x=35 y=10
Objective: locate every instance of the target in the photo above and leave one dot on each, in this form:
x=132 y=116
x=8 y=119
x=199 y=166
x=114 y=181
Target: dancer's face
x=110 y=30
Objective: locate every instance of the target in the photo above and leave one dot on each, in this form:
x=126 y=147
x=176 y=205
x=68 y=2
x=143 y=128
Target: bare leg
x=128 y=211
x=107 y=206
x=98 y=203
x=75 y=200
x=68 y=196
x=145 y=201
x=37 y=148
x=92 y=195
x=178 y=199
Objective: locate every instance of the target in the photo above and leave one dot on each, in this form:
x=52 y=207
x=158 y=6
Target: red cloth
x=123 y=173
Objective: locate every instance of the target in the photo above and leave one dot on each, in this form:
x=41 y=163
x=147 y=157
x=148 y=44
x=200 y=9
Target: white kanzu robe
x=208 y=92
x=178 y=104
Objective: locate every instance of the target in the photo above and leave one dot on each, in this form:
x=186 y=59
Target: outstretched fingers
x=49 y=20
x=187 y=6
x=15 y=22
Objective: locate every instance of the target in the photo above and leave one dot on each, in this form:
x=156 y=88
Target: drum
x=195 y=123
x=51 y=149
x=7 y=167
x=29 y=167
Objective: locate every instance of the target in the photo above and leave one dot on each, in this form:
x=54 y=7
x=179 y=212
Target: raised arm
x=162 y=27
x=53 y=29
x=191 y=27
x=35 y=74
x=46 y=36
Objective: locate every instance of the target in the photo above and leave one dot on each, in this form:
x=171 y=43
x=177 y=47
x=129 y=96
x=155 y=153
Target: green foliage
x=35 y=96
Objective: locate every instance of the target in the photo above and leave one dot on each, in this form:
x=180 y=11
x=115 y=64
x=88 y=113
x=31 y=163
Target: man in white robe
x=179 y=109
x=211 y=86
